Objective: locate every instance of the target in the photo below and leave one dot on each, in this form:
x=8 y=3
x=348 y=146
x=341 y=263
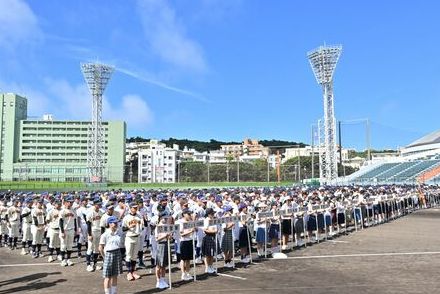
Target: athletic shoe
x=284 y=247
x=211 y=270
x=136 y=276
x=23 y=252
x=130 y=277
x=188 y=277
x=165 y=284
x=245 y=260
x=162 y=284
x=69 y=262
x=219 y=256
x=98 y=267
x=90 y=268
x=59 y=258
x=199 y=260
x=183 y=277
x=64 y=262
x=50 y=259
x=158 y=285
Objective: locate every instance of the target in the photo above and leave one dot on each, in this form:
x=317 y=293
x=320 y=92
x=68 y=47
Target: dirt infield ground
x=402 y=256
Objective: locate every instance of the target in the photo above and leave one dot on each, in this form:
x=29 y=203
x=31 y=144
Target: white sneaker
x=284 y=247
x=159 y=284
x=188 y=277
x=50 y=259
x=59 y=258
x=245 y=260
x=69 y=262
x=183 y=277
x=64 y=262
x=90 y=268
x=211 y=270
x=219 y=256
x=199 y=260
x=227 y=265
x=165 y=284
x=98 y=267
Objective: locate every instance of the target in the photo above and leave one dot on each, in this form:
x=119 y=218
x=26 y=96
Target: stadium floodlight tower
x=323 y=61
x=96 y=76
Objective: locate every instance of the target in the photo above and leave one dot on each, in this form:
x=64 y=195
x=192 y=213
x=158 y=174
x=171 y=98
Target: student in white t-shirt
x=109 y=247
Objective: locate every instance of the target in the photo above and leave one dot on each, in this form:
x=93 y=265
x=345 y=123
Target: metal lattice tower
x=96 y=76
x=323 y=61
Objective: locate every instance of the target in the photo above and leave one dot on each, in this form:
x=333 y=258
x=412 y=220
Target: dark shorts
x=286 y=227
x=243 y=238
x=261 y=236
x=311 y=223
x=186 y=250
x=274 y=231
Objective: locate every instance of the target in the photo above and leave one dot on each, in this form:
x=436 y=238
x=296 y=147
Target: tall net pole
x=97 y=77
x=323 y=61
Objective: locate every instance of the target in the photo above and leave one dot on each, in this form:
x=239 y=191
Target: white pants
x=131 y=247
x=3 y=227
x=37 y=235
x=92 y=246
x=67 y=241
x=13 y=229
x=83 y=234
x=54 y=238
x=26 y=228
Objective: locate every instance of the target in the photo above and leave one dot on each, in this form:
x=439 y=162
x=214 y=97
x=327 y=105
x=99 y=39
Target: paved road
x=402 y=256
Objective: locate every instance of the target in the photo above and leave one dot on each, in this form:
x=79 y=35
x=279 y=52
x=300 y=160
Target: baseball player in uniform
x=26 y=223
x=93 y=221
x=3 y=225
x=37 y=228
x=132 y=224
x=13 y=223
x=68 y=227
x=53 y=220
x=81 y=211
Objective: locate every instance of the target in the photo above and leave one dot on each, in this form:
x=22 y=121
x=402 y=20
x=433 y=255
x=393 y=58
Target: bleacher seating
x=414 y=170
x=376 y=171
x=396 y=172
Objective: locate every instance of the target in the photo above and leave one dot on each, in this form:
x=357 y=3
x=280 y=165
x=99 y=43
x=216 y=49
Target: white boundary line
x=231 y=276
x=363 y=255
x=29 y=264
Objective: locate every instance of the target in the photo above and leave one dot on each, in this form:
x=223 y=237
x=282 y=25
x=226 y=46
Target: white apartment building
x=217 y=156
x=307 y=151
x=157 y=163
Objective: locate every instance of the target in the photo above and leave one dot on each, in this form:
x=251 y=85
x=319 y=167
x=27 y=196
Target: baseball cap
x=112 y=220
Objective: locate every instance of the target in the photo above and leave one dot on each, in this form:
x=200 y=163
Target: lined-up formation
x=190 y=227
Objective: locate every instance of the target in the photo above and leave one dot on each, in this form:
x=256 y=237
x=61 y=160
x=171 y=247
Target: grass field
x=66 y=186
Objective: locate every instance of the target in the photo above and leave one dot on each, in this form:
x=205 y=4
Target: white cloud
x=66 y=101
x=74 y=102
x=18 y=24
x=167 y=36
x=133 y=110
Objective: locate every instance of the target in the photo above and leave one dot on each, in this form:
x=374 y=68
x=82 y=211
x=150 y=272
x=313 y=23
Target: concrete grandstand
x=419 y=162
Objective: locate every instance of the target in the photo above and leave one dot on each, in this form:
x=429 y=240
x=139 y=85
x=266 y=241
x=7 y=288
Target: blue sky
x=230 y=69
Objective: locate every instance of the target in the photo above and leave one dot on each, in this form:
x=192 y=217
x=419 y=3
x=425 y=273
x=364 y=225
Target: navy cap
x=133 y=204
x=112 y=220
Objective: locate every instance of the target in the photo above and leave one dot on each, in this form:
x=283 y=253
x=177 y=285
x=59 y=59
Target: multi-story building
x=232 y=150
x=308 y=151
x=53 y=150
x=157 y=164
x=254 y=148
